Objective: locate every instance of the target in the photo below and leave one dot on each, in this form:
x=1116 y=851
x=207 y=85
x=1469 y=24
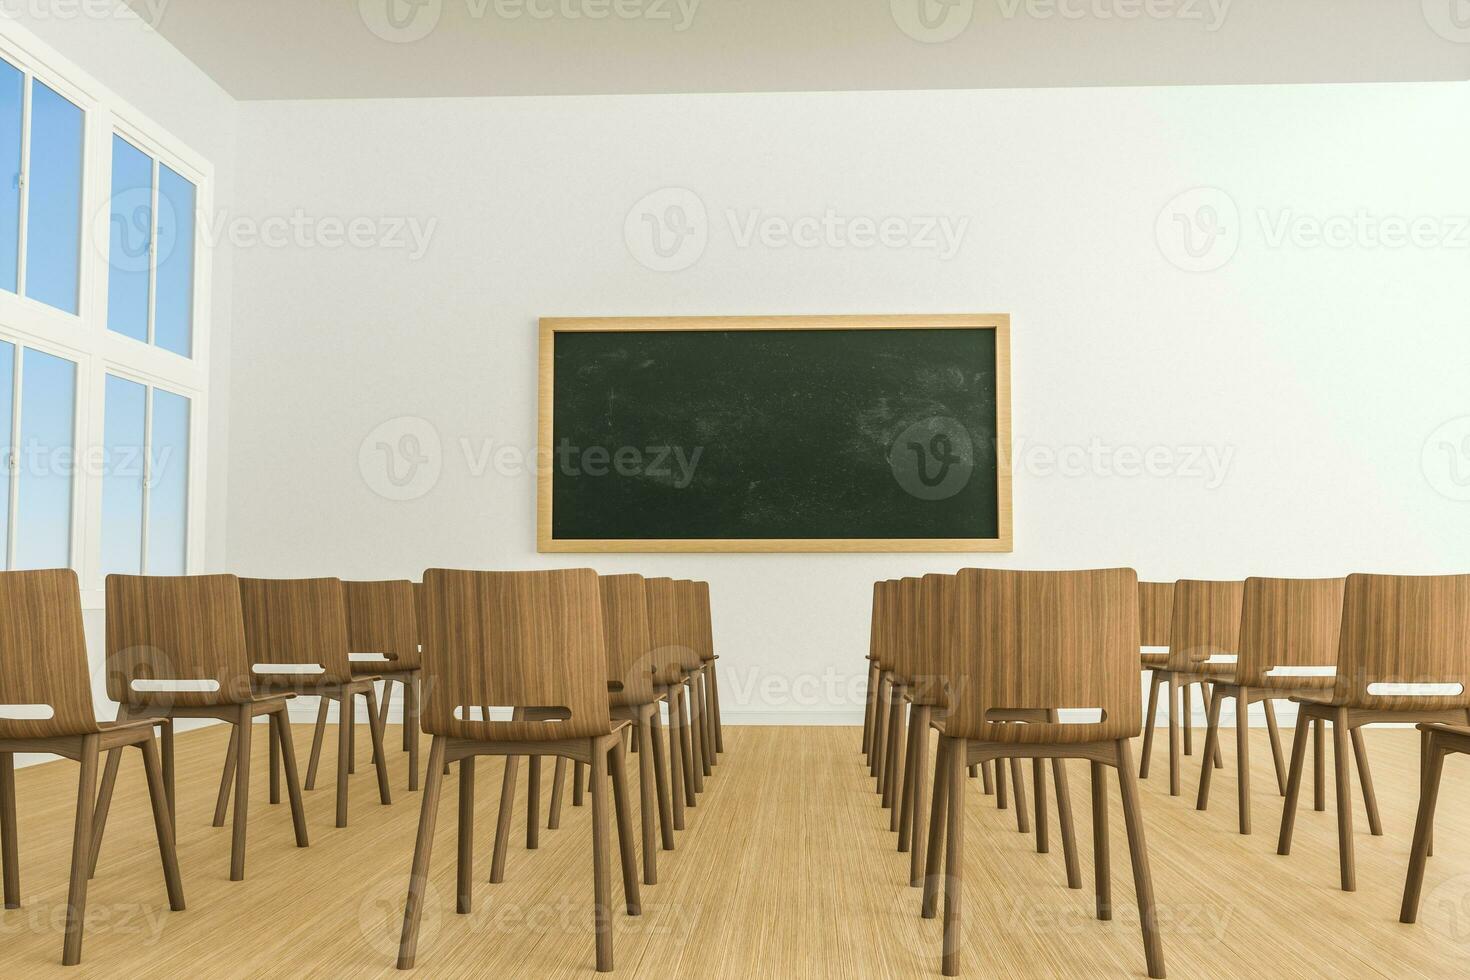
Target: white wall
x=1320 y=372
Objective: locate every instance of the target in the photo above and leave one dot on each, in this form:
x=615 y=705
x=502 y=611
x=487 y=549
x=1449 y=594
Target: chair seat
x=363 y=669
x=1461 y=730
x=1153 y=659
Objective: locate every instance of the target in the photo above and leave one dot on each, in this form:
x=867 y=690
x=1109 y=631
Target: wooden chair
x=302 y=623
x=1204 y=623
x=926 y=694
x=875 y=672
x=1039 y=641
x=712 y=733
x=1437 y=742
x=1397 y=630
x=633 y=670
x=880 y=672
x=381 y=620
x=530 y=640
x=1155 y=615
x=1285 y=624
x=176 y=649
x=43 y=661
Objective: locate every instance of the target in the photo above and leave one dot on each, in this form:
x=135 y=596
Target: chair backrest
x=881 y=625
x=669 y=630
x=1155 y=613
x=529 y=640
x=176 y=628
x=296 y=621
x=1205 y=622
x=631 y=669
x=704 y=627
x=1287 y=622
x=927 y=685
x=381 y=618
x=1039 y=641
x=43 y=654
x=906 y=628
x=1403 y=629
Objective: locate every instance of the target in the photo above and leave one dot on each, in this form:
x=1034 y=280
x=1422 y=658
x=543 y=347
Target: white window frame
x=84 y=337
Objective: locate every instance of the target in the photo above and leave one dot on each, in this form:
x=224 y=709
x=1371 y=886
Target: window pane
x=48 y=390
x=12 y=97
x=168 y=484
x=130 y=229
x=122 y=477
x=7 y=404
x=54 y=218
x=173 y=320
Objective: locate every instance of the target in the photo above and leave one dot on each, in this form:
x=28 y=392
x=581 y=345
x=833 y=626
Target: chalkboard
x=840 y=433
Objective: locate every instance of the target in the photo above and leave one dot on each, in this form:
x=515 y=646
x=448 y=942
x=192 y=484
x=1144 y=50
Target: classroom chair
x=43 y=661
x=1041 y=642
x=176 y=649
x=530 y=640
x=1399 y=635
x=1436 y=741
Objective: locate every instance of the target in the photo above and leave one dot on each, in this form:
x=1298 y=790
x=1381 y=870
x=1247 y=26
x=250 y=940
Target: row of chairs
x=229 y=649
x=991 y=660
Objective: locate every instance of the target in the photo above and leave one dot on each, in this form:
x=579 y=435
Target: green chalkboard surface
x=791 y=433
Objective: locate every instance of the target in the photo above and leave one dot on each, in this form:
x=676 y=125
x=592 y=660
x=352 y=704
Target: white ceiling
x=288 y=49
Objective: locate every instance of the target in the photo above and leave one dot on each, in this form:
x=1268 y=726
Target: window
x=150 y=266
x=40 y=456
x=145 y=480
x=104 y=332
x=41 y=137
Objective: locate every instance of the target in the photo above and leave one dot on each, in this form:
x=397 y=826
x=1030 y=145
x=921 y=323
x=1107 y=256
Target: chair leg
x=647 y=813
x=9 y=840
x=380 y=756
x=601 y=891
x=1064 y=817
x=227 y=778
x=911 y=837
x=502 y=820
x=465 y=871
x=103 y=806
x=706 y=716
x=617 y=765
x=870 y=706
x=1212 y=740
x=273 y=750
x=579 y=784
x=880 y=731
x=675 y=760
x=533 y=802
x=243 y=726
x=418 y=875
x=1206 y=692
x=411 y=728
x=987 y=778
x=1365 y=777
x=954 y=860
x=380 y=717
x=693 y=783
x=81 y=853
x=1423 y=826
x=166 y=731
x=1294 y=781
x=281 y=730
x=696 y=732
x=893 y=798
x=1277 y=758
x=1344 y=772
x=1424 y=740
x=714 y=708
x=1150 y=721
x=1102 y=873
x=1319 y=772
x=1138 y=850
x=346 y=730
x=163 y=825
x=318 y=735
x=1002 y=795
x=1186 y=718
x=1018 y=783
x=1242 y=758
x=558 y=788
x=661 y=780
x=1038 y=797
x=1174 y=748
x=892 y=767
x=938 y=815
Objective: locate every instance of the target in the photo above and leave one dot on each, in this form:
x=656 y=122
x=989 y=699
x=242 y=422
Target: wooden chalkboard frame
x=998 y=322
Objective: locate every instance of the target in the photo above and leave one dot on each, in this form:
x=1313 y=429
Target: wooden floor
x=786 y=870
